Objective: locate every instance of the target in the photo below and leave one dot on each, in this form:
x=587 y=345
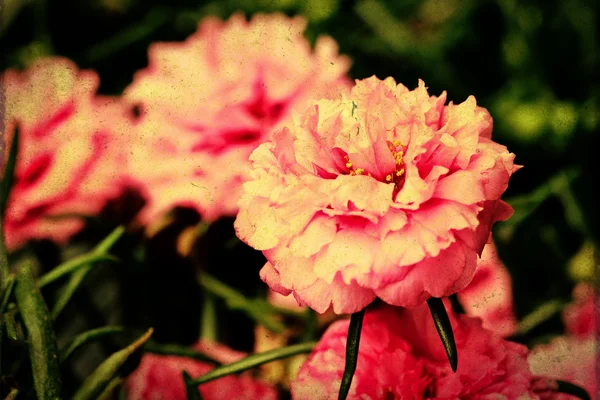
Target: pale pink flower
x=386 y=192
x=572 y=357
x=401 y=357
x=71 y=152
x=209 y=101
x=567 y=358
x=489 y=295
x=160 y=378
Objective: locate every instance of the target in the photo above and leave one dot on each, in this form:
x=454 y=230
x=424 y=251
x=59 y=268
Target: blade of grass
x=254 y=360
x=98 y=381
x=78 y=276
x=72 y=265
x=40 y=335
x=181 y=351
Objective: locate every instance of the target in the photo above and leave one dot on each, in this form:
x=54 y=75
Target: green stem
x=253 y=361
x=352 y=346
x=208 y=329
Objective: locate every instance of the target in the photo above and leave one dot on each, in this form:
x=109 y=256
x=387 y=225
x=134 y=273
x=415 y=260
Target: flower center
x=397 y=176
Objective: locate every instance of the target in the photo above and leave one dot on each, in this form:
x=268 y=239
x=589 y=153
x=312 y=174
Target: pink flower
x=566 y=358
x=160 y=378
x=580 y=316
x=572 y=357
x=401 y=357
x=209 y=101
x=386 y=192
x=70 y=153
x=489 y=295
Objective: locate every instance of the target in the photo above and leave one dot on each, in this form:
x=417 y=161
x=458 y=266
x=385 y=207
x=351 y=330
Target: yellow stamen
x=348 y=165
x=388 y=178
x=399 y=173
x=359 y=171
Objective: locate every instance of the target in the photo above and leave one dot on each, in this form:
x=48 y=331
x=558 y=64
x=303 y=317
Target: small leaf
x=11 y=325
x=352 y=345
x=572 y=389
x=86 y=337
x=12 y=395
x=72 y=265
x=191 y=390
x=180 y=351
x=9 y=173
x=97 y=382
x=254 y=360
x=40 y=336
x=444 y=328
x=77 y=277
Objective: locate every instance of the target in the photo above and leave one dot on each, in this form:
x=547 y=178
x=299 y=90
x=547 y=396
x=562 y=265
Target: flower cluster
x=401 y=357
x=385 y=192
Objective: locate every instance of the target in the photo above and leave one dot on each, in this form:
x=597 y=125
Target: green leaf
x=572 y=389
x=71 y=286
x=98 y=381
x=9 y=173
x=191 y=390
x=352 y=345
x=72 y=265
x=254 y=360
x=177 y=350
x=86 y=337
x=40 y=336
x=444 y=328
